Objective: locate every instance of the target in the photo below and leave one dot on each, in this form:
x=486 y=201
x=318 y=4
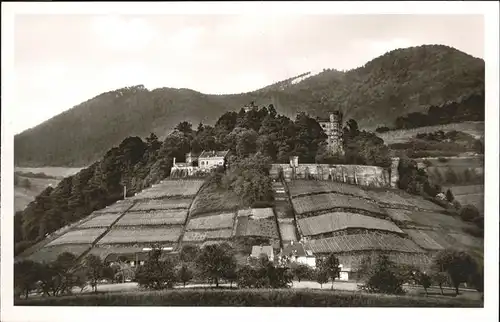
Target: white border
x=489 y=313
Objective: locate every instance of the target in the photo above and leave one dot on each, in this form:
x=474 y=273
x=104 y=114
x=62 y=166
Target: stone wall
x=363 y=175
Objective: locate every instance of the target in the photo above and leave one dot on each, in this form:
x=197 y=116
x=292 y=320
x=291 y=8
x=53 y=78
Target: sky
x=63 y=60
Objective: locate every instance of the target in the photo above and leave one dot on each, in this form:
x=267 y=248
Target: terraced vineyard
x=247 y=226
x=400 y=215
x=82 y=236
x=363 y=242
x=308 y=187
x=328 y=201
x=201 y=236
x=153 y=218
x=225 y=220
x=101 y=220
x=423 y=240
x=438 y=220
x=50 y=254
x=146 y=205
x=141 y=235
x=171 y=188
x=335 y=221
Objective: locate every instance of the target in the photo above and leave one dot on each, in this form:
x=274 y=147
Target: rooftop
x=258 y=250
x=296 y=249
x=213 y=154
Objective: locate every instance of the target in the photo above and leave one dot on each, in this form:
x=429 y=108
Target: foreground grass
x=252 y=297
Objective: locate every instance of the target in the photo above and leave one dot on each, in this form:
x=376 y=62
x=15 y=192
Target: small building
x=212 y=159
x=258 y=251
x=296 y=253
x=344 y=273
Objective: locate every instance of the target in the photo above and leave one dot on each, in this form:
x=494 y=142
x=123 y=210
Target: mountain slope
x=394 y=84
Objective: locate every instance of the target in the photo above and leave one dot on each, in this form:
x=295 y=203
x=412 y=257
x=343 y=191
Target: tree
x=449 y=196
x=424 y=280
x=184 y=127
x=184 y=274
x=155 y=273
x=300 y=271
x=322 y=277
x=214 y=261
x=384 y=277
x=450 y=176
x=440 y=278
x=95 y=270
x=459 y=266
x=189 y=253
x=26 y=276
x=330 y=266
x=469 y=213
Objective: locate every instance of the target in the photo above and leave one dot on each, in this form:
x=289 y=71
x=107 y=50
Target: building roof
x=258 y=250
x=213 y=154
x=296 y=249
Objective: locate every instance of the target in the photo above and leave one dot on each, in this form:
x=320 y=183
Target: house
x=344 y=273
x=258 y=251
x=296 y=253
x=212 y=159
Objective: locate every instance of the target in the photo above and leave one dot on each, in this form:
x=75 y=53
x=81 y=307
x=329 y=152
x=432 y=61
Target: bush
x=443 y=160
x=384 y=278
x=382 y=129
x=469 y=213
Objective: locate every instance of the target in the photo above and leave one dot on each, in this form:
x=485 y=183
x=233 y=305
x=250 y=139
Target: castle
x=333 y=129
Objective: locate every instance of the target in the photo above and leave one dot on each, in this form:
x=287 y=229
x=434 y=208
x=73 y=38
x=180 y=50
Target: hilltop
x=397 y=83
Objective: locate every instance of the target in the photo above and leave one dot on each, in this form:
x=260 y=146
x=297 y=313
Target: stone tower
x=333 y=129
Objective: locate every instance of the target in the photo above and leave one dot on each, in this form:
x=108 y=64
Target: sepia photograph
x=248 y=158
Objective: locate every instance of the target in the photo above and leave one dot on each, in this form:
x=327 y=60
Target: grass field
x=170 y=188
x=214 y=199
x=469 y=195
x=476 y=129
x=49 y=254
x=81 y=236
x=153 y=218
x=59 y=172
x=253 y=297
x=23 y=196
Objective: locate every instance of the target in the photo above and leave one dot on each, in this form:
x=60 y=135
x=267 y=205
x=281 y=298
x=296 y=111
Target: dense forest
x=395 y=84
x=255 y=137
x=469 y=109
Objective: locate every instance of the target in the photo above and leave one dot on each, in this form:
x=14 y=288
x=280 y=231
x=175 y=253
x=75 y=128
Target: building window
x=202 y=163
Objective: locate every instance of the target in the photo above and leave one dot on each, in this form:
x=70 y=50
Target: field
x=23 y=196
x=99 y=221
x=48 y=254
x=327 y=201
x=287 y=230
x=145 y=205
x=118 y=207
x=170 y=188
x=153 y=218
x=399 y=214
x=437 y=220
x=475 y=129
x=467 y=240
x=469 y=195
x=250 y=298
x=354 y=260
x=423 y=240
x=201 y=236
x=363 y=242
x=213 y=199
x=141 y=235
x=306 y=187
x=341 y=220
x=225 y=220
x=246 y=226
x=59 y=172
x=389 y=197
x=81 y=236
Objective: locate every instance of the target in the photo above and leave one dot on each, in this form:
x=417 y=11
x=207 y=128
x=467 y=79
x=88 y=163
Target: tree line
x=216 y=263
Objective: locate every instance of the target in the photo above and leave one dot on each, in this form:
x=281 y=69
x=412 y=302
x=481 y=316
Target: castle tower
x=333 y=129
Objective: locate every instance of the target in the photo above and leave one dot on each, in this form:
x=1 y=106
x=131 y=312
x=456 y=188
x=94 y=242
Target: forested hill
x=395 y=84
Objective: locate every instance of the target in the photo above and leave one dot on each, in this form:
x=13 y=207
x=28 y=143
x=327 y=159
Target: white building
x=212 y=159
x=296 y=253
